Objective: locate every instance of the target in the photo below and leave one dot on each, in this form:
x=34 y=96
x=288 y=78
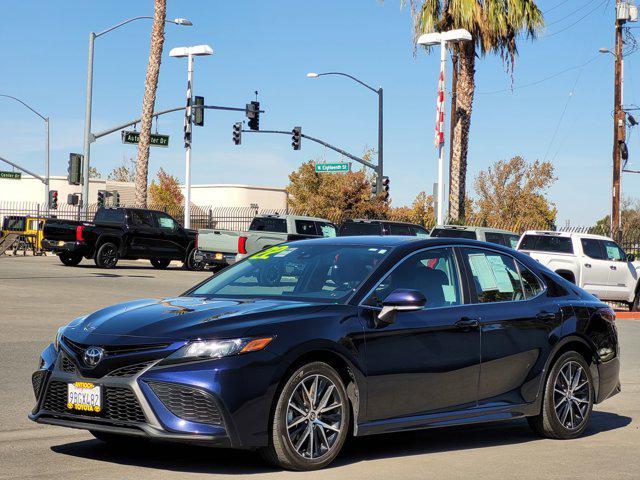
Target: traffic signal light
x=102 y=195
x=116 y=198
x=198 y=113
x=74 y=170
x=296 y=138
x=385 y=188
x=374 y=188
x=237 y=133
x=53 y=199
x=73 y=199
x=253 y=114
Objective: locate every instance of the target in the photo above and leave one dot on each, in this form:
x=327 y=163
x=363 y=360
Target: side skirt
x=494 y=413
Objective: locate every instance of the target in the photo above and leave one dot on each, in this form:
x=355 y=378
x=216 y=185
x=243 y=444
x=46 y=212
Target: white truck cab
x=593 y=262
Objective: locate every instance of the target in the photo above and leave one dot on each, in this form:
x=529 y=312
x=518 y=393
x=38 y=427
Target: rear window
x=453 y=233
x=108 y=215
x=350 y=229
x=546 y=243
x=268 y=224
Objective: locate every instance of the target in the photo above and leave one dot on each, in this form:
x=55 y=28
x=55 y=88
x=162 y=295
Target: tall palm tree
x=149 y=100
x=495 y=26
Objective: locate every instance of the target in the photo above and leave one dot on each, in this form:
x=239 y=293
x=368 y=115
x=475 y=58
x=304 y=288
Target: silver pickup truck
x=219 y=248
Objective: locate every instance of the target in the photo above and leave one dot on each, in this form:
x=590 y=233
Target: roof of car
x=470 y=228
x=551 y=233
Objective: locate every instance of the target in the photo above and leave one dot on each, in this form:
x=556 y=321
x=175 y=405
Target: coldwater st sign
x=333 y=167
x=132 y=137
x=11 y=175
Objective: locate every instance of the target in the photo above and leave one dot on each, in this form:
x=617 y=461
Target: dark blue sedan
x=303 y=344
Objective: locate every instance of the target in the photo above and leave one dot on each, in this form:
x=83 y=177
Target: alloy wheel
x=109 y=256
x=314 y=416
x=571 y=395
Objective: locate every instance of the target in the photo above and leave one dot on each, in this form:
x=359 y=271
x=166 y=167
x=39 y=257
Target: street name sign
x=11 y=175
x=333 y=167
x=132 y=137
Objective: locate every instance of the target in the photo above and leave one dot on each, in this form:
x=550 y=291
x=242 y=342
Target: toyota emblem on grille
x=92 y=356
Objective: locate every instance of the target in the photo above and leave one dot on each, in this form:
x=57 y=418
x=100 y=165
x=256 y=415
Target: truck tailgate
x=60 y=229
x=223 y=241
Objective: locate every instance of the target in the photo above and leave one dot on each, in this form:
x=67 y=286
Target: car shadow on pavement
x=188 y=458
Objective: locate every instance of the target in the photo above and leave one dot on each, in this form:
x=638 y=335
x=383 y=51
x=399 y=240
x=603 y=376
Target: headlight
x=56 y=342
x=219 y=348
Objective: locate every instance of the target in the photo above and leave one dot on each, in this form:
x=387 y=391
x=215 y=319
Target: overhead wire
x=578 y=10
x=577 y=21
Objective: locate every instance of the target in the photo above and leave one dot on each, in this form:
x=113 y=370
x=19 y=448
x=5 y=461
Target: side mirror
x=631 y=257
x=400 y=300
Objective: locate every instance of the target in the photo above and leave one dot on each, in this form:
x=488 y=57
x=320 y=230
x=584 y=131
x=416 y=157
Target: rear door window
x=109 y=215
x=592 y=248
x=493 y=237
x=399 y=229
x=546 y=243
x=453 y=233
x=268 y=224
x=306 y=227
x=142 y=218
x=349 y=229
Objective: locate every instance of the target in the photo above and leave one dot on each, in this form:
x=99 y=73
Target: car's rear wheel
x=568 y=399
x=160 y=263
x=192 y=263
x=70 y=259
x=311 y=419
x=107 y=255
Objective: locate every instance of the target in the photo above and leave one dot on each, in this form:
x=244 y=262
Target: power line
x=571 y=14
x=577 y=21
x=542 y=80
x=553 y=8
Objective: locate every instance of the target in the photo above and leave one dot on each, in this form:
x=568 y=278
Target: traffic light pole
x=43 y=180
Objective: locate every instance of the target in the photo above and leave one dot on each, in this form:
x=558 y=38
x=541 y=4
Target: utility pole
x=454 y=109
x=619 y=131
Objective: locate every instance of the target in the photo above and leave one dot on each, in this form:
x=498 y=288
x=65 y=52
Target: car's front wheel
x=311 y=419
x=568 y=399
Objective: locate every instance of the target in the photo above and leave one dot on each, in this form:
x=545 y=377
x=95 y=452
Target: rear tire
x=311 y=419
x=191 y=263
x=70 y=259
x=635 y=305
x=568 y=399
x=160 y=263
x=107 y=255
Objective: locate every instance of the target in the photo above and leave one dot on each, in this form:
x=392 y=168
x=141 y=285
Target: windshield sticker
x=277 y=251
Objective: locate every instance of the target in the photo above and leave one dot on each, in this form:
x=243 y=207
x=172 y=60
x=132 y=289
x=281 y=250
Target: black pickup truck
x=122 y=233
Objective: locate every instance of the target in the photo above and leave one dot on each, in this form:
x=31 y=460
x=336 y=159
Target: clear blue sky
x=269 y=47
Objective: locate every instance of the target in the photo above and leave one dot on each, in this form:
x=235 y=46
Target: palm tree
x=149 y=100
x=496 y=26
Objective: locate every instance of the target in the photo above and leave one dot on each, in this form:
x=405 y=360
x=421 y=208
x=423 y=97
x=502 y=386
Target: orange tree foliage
x=165 y=194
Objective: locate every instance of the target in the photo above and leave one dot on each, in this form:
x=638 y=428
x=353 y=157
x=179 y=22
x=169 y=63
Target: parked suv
x=593 y=262
x=122 y=233
x=484 y=234
x=355 y=227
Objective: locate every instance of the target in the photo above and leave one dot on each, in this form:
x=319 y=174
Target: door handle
x=613 y=267
x=466 y=322
x=546 y=316
x=587 y=265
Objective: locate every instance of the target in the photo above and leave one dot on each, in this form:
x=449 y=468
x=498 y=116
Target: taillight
x=79 y=235
x=242 y=245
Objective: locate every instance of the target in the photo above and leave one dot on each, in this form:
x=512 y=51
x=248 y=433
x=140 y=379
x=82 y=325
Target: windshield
x=324 y=273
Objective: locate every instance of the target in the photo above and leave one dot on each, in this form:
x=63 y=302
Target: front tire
x=107 y=255
x=568 y=399
x=70 y=259
x=311 y=419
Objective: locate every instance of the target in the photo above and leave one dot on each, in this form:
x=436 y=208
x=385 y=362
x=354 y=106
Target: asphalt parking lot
x=37 y=295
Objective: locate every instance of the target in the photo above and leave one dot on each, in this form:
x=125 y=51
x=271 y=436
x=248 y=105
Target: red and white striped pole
x=439 y=138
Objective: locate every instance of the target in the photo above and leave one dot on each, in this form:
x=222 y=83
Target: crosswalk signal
x=198 y=111
x=237 y=133
x=296 y=138
x=102 y=195
x=73 y=199
x=53 y=199
x=74 y=170
x=253 y=114
x=385 y=188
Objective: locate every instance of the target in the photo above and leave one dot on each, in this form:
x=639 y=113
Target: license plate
x=60 y=243
x=84 y=397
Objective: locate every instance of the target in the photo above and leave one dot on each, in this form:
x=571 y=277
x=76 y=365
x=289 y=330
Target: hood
x=180 y=318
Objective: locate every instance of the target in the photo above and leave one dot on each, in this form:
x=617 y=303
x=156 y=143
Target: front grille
x=37 y=380
x=120 y=404
x=188 y=403
x=79 y=348
x=66 y=365
x=129 y=370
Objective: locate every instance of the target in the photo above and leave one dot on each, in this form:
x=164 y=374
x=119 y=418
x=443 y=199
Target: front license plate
x=84 y=397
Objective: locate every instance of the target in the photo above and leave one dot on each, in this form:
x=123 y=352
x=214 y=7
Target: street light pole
x=88 y=137
x=46 y=148
x=379 y=169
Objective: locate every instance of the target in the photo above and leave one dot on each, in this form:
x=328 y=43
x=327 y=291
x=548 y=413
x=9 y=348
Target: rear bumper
x=215 y=258
x=65 y=247
x=609 y=379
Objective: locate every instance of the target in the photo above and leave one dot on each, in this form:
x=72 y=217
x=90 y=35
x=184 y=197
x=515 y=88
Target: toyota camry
x=302 y=345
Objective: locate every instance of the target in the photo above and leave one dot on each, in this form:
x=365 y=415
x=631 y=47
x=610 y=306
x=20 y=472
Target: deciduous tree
x=124 y=173
x=166 y=194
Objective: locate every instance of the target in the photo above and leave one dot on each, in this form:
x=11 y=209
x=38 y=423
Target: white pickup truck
x=593 y=262
x=219 y=248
